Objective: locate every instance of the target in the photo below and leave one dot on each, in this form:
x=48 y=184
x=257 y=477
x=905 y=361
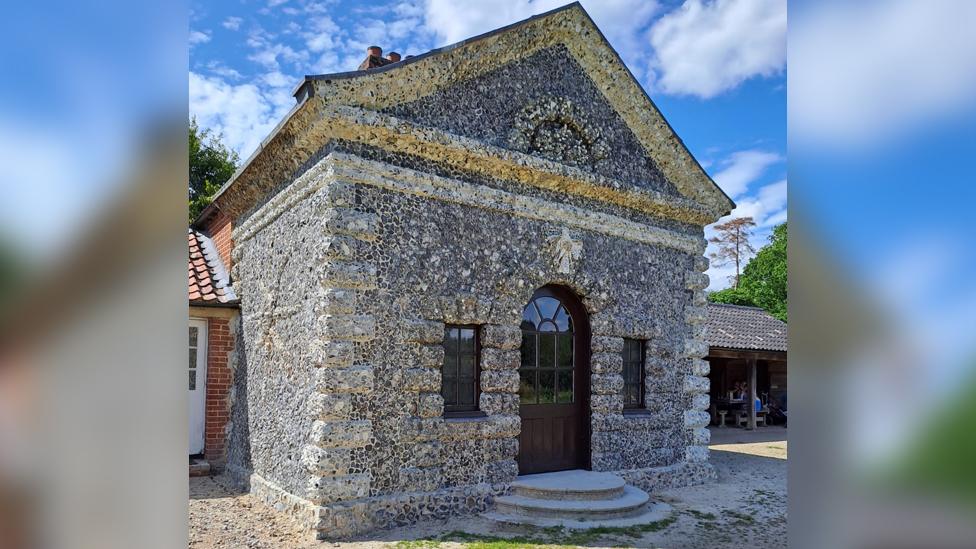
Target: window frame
x=642 y=364
x=463 y=410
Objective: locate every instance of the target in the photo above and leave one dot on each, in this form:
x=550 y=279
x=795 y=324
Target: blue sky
x=726 y=96
x=74 y=107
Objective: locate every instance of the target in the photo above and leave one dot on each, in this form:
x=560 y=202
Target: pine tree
x=732 y=244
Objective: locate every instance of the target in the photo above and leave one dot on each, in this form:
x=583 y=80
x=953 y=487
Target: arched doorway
x=554 y=380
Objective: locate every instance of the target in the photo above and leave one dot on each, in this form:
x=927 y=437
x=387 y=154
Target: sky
x=724 y=95
x=74 y=107
x=882 y=130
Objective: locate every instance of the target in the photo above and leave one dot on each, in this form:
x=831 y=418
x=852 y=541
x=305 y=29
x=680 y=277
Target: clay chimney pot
x=393 y=56
x=375 y=51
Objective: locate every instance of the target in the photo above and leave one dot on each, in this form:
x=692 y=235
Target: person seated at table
x=777 y=410
x=739 y=392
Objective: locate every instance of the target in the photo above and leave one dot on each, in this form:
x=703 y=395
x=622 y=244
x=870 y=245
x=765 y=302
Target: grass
x=741 y=519
x=700 y=515
x=418 y=544
x=551 y=538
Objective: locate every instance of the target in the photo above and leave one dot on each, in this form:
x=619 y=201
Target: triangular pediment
x=542 y=105
x=617 y=135
x=567 y=31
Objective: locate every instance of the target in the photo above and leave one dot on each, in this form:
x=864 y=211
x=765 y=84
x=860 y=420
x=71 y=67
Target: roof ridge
x=717 y=304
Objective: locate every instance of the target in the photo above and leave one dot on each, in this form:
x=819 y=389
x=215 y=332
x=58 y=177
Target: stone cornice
x=400 y=136
x=302 y=134
x=348 y=168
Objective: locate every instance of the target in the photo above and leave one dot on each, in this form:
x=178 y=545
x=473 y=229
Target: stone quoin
x=463 y=265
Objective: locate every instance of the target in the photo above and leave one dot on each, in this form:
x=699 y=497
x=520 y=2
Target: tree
x=211 y=165
x=764 y=278
x=763 y=282
x=733 y=244
x=732 y=296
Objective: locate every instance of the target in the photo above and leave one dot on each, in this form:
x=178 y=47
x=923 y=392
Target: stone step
x=199 y=467
x=628 y=504
x=570 y=485
x=649 y=513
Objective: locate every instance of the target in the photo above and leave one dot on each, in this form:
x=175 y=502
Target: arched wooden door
x=554 y=383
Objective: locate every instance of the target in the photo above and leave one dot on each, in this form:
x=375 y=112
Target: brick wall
x=220 y=342
x=219 y=228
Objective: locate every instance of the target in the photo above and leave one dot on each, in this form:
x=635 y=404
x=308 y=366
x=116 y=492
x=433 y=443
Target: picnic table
x=732 y=405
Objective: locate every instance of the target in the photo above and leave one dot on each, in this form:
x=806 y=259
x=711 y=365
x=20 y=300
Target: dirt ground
x=746 y=507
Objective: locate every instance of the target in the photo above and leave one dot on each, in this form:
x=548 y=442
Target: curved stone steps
x=652 y=512
x=565 y=485
x=576 y=499
x=625 y=505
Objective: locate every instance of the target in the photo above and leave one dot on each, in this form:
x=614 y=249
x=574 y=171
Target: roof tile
x=208 y=281
x=740 y=327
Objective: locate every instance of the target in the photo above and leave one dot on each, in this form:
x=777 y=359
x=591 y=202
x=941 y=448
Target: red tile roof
x=208 y=280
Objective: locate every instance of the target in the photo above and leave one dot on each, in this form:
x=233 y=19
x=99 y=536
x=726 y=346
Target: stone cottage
x=463 y=266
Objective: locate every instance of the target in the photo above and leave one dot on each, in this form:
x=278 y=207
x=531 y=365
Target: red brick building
x=213 y=316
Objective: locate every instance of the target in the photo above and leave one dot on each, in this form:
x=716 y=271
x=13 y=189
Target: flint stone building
x=464 y=266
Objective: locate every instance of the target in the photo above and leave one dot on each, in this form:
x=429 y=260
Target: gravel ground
x=745 y=508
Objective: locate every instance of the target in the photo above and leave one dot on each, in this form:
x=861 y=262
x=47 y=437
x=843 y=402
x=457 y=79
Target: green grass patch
x=418 y=544
x=741 y=519
x=700 y=515
x=551 y=538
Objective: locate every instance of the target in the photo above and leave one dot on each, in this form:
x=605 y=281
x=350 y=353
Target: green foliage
x=732 y=296
x=763 y=281
x=764 y=278
x=938 y=463
x=211 y=165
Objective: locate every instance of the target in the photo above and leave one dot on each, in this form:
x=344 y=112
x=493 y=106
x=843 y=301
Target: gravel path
x=745 y=508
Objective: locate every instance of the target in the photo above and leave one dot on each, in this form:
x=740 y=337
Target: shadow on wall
x=239 y=438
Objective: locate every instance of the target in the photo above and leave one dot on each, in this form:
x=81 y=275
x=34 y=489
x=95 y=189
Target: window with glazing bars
x=633 y=373
x=459 y=374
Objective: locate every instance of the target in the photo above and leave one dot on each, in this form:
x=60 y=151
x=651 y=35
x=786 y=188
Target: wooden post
x=752 y=393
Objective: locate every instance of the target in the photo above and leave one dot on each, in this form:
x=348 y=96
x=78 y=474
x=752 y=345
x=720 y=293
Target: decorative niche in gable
x=556 y=129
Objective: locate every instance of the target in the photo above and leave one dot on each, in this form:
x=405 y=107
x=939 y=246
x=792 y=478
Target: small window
x=633 y=373
x=459 y=375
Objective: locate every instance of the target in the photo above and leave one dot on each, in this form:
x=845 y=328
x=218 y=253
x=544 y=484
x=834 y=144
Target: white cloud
x=218 y=68
x=268 y=55
x=742 y=168
x=322 y=34
x=42 y=170
x=276 y=79
x=454 y=20
x=863 y=73
x=316 y=7
x=926 y=285
x=243 y=114
x=408 y=9
x=704 y=49
x=232 y=23
x=622 y=21
x=766 y=208
x=275 y=3
x=198 y=37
